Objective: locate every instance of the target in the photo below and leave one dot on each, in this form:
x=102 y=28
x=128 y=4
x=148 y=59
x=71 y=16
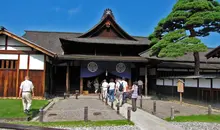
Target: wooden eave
x=214 y=53
x=102 y=58
x=101 y=24
x=28 y=43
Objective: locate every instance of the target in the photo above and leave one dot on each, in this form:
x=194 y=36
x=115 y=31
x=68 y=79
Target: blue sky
x=137 y=17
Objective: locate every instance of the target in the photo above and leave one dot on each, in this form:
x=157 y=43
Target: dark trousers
x=134 y=104
x=140 y=90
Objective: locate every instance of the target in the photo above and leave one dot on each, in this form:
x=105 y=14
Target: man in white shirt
x=26 y=91
x=140 y=87
x=125 y=85
x=104 y=88
x=119 y=94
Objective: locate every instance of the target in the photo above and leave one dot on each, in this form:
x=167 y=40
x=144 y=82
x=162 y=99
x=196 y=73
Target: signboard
x=180 y=86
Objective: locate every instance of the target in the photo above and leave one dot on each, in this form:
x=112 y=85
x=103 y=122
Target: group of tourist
x=119 y=90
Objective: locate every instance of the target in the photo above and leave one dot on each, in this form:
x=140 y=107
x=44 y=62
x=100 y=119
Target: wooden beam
x=17 y=75
x=17 y=52
x=6 y=42
x=67 y=77
x=43 y=76
x=28 y=64
x=22 y=40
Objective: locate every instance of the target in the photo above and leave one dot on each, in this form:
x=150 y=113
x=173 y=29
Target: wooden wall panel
x=7 y=84
x=1 y=83
x=36 y=78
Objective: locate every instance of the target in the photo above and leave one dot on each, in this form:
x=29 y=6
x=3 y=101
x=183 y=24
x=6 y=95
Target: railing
x=23 y=127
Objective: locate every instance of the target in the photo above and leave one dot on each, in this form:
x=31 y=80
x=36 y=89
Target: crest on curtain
x=120 y=67
x=92 y=67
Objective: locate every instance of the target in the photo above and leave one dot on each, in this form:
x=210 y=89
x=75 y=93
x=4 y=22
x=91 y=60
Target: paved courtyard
x=163 y=108
x=73 y=110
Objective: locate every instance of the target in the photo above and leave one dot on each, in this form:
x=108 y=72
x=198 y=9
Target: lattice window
x=7 y=64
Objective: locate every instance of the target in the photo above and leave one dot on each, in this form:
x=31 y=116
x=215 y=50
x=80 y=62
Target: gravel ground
x=198 y=125
x=103 y=128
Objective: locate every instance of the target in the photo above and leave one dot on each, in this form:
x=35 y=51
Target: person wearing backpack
x=125 y=85
x=119 y=92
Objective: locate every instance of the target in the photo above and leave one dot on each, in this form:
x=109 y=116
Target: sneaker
x=26 y=111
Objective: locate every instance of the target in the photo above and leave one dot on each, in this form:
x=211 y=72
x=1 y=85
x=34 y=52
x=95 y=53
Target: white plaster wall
x=36 y=62
x=216 y=83
x=159 y=82
x=2 y=40
x=12 y=41
x=2 y=48
x=23 y=62
x=204 y=83
x=167 y=82
x=8 y=56
x=19 y=48
x=190 y=82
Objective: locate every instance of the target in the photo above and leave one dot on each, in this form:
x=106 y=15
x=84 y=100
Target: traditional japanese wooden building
x=105 y=51
x=59 y=62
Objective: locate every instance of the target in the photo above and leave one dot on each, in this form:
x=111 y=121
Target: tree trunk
x=197 y=63
x=195 y=54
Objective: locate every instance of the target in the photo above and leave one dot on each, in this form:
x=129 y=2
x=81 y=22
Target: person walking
x=96 y=85
x=140 y=87
x=125 y=88
x=111 y=90
x=134 y=96
x=104 y=88
x=27 y=92
x=119 y=92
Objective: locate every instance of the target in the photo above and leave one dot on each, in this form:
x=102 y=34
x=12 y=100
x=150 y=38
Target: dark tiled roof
x=51 y=40
x=187 y=65
x=107 y=41
x=214 y=53
x=102 y=58
x=186 y=58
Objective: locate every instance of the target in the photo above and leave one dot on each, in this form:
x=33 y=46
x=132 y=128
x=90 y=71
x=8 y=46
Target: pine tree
x=179 y=32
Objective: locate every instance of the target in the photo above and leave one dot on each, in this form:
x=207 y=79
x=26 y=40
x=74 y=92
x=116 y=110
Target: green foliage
x=78 y=123
x=198 y=17
x=196 y=118
x=12 y=108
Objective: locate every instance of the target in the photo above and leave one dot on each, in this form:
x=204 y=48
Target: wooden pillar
x=198 y=91
x=146 y=82
x=43 y=76
x=67 y=77
x=51 y=79
x=81 y=85
x=28 y=64
x=17 y=76
x=211 y=90
x=129 y=83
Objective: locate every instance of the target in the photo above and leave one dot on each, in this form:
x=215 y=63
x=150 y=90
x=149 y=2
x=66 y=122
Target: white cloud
x=73 y=11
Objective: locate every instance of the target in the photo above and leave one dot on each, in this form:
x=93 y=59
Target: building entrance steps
x=146 y=121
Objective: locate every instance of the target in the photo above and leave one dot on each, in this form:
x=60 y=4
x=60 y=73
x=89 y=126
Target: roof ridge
x=52 y=31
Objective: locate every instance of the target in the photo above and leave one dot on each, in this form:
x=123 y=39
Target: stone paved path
x=164 y=108
x=146 y=121
x=72 y=110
